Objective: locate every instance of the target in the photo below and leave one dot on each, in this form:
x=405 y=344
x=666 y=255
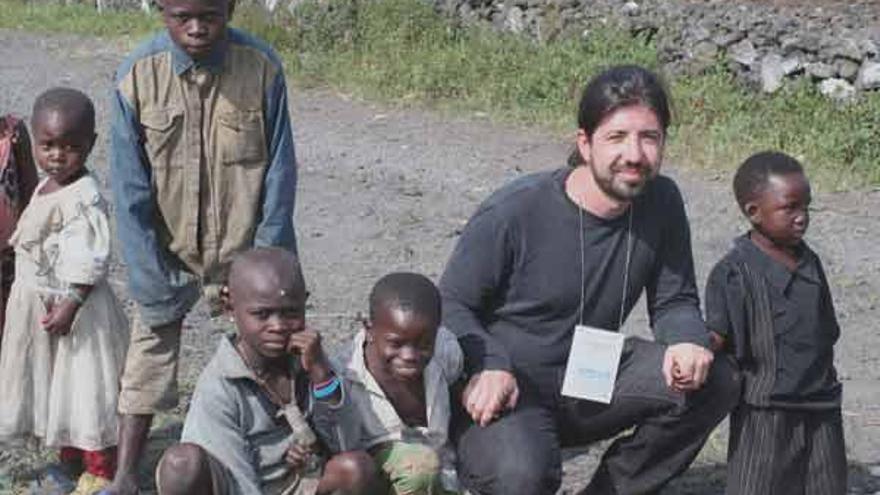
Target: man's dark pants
x=520 y=452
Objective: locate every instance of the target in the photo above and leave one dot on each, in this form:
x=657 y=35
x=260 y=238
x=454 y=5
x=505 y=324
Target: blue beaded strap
x=75 y=296
x=326 y=390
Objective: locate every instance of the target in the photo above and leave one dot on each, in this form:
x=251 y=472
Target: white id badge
x=592 y=364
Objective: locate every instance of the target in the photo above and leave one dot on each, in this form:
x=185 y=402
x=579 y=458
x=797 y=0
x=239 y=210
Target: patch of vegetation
x=402 y=51
x=75 y=18
x=720 y=123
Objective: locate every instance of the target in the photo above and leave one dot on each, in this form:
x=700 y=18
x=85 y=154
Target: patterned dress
x=62 y=389
x=18 y=177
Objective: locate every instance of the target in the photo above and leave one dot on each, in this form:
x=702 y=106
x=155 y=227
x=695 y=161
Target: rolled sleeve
x=726 y=312
x=279 y=188
x=163 y=294
x=717 y=294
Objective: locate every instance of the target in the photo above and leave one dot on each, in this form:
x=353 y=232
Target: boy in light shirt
x=399 y=374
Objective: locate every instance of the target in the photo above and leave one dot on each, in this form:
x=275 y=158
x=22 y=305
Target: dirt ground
x=803 y=3
x=385 y=189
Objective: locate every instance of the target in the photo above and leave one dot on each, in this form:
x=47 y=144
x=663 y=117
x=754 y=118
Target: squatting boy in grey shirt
x=267 y=412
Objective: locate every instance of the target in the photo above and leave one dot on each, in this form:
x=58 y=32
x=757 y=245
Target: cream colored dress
x=62 y=389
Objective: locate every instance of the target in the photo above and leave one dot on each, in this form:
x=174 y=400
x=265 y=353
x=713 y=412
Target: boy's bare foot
x=133 y=432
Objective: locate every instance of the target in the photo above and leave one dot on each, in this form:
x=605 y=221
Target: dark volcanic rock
x=821 y=42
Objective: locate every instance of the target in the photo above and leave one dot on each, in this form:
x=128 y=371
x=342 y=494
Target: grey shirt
x=779 y=324
x=233 y=419
x=512 y=287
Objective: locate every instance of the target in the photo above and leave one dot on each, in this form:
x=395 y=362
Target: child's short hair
x=68 y=101
x=408 y=291
x=751 y=177
x=268 y=257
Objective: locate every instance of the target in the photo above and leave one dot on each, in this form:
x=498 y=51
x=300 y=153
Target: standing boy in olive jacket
x=202 y=168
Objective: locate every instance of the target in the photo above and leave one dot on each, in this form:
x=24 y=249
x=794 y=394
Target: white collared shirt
x=380 y=422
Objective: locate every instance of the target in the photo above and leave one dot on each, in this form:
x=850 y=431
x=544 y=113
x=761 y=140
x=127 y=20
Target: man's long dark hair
x=618 y=87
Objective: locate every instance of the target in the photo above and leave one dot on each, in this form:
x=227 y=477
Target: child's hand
x=307 y=345
x=686 y=366
x=680 y=382
x=60 y=317
x=716 y=341
x=298 y=457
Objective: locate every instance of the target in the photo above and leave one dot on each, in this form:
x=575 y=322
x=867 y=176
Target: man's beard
x=619 y=189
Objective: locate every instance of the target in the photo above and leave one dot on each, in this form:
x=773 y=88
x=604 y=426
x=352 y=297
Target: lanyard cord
x=581 y=235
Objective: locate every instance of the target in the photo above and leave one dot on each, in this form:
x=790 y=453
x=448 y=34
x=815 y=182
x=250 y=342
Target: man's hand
x=60 y=317
x=686 y=366
x=487 y=393
x=307 y=345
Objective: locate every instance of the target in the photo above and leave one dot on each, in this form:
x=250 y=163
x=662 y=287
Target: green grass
x=82 y=19
x=401 y=51
x=720 y=124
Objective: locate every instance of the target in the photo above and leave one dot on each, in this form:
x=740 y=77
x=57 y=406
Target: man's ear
x=582 y=140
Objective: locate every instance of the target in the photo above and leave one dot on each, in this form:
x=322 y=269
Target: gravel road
x=386 y=188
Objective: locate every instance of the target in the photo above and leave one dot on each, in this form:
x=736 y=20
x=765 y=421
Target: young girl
x=769 y=304
x=66 y=335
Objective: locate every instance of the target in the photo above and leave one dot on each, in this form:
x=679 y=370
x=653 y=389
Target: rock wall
x=836 y=45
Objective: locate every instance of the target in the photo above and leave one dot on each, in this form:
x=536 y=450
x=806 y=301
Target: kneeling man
x=578 y=245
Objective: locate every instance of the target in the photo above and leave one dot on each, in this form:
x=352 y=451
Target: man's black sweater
x=512 y=287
